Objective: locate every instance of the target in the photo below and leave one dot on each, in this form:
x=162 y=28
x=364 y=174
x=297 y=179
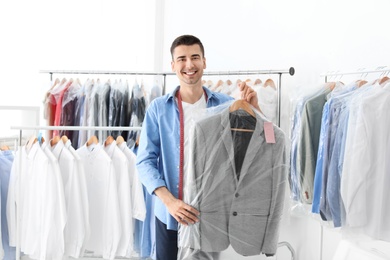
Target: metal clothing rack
x=289 y=247
x=70 y=128
x=290 y=71
x=384 y=70
x=74 y=128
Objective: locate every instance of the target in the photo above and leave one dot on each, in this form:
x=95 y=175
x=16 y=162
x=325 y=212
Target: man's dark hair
x=186 y=40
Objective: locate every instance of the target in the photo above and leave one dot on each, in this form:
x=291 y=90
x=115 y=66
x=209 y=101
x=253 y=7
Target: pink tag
x=269 y=133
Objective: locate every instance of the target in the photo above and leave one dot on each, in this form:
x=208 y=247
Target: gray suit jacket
x=244 y=213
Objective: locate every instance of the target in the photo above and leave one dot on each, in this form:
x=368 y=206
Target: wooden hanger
x=383 y=80
x=242 y=104
x=33 y=139
x=219 y=83
x=64 y=139
x=258 y=82
x=92 y=140
x=331 y=85
x=56 y=82
x=109 y=140
x=54 y=140
x=361 y=82
x=269 y=82
x=210 y=84
x=119 y=140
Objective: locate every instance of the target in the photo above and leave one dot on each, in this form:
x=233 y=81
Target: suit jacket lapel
x=254 y=147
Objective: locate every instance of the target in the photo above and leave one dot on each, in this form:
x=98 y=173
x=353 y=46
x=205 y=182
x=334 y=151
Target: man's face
x=188 y=63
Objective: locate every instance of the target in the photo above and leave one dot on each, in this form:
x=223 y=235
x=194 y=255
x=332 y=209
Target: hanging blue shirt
x=158 y=151
x=6 y=160
x=327 y=133
x=315 y=207
x=332 y=202
x=336 y=106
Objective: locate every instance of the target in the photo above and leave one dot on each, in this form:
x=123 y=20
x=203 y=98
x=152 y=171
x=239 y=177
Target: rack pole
x=76 y=128
x=359 y=71
x=164 y=84
x=290 y=71
x=279 y=98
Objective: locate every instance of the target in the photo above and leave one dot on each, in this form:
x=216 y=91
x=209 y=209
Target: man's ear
x=204 y=62
x=173 y=66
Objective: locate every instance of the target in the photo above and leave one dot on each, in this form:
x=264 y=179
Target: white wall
x=70 y=35
x=312 y=36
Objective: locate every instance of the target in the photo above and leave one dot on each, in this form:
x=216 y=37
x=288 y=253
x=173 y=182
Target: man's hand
x=248 y=94
x=182 y=212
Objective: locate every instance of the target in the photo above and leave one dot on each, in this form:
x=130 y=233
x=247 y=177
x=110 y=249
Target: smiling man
x=162 y=153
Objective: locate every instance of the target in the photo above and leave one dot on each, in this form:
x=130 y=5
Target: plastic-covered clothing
x=236 y=180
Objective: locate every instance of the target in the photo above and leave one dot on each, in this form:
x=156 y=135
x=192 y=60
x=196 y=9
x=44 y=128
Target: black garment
x=241 y=120
x=78 y=103
x=68 y=111
x=137 y=110
x=166 y=246
x=114 y=110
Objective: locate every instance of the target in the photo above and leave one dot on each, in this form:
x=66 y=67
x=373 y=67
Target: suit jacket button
x=236 y=195
x=234 y=213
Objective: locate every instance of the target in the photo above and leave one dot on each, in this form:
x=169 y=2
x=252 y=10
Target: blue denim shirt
x=6 y=160
x=159 y=151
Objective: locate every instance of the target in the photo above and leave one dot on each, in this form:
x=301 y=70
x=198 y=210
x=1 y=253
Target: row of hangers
x=267 y=83
x=92 y=140
x=361 y=82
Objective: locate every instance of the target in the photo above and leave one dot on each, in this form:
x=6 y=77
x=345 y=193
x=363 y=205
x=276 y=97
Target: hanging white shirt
x=41 y=204
x=83 y=204
x=123 y=187
x=268 y=102
x=104 y=213
x=75 y=229
x=55 y=208
x=137 y=193
x=366 y=173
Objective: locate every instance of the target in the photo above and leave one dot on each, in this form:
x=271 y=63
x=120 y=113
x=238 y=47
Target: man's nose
x=189 y=63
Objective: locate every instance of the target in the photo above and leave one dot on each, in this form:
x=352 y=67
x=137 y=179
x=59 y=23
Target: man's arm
x=182 y=212
x=249 y=94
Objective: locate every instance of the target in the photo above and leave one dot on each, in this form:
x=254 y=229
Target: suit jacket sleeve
x=278 y=185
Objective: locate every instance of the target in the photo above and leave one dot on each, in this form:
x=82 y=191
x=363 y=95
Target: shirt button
x=236 y=195
x=234 y=213
x=177 y=186
x=178 y=166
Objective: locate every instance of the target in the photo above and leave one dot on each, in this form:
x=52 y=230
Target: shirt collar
x=57 y=148
x=172 y=94
x=110 y=148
